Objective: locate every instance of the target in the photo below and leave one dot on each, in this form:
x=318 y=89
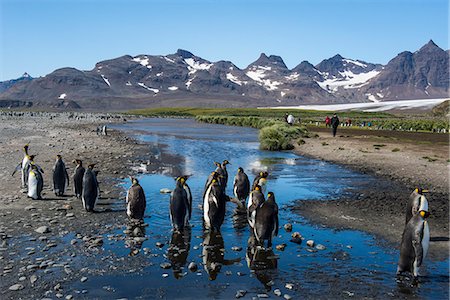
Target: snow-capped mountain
x=184 y=79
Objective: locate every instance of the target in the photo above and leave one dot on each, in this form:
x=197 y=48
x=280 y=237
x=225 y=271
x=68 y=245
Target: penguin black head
x=240 y=170
x=181 y=179
x=270 y=196
x=217 y=164
x=265 y=174
x=257 y=187
x=77 y=161
x=420 y=191
x=226 y=162
x=58 y=156
x=91 y=166
x=32 y=157
x=424 y=214
x=134 y=180
x=25 y=147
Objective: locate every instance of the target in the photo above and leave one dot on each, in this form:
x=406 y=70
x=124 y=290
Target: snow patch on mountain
x=172 y=88
x=292 y=77
x=259 y=73
x=106 y=80
x=355 y=62
x=62 y=96
x=350 y=80
x=234 y=79
x=143 y=61
x=148 y=88
x=194 y=66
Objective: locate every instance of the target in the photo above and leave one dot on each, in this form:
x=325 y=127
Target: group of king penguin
x=85 y=180
x=416 y=235
x=262 y=213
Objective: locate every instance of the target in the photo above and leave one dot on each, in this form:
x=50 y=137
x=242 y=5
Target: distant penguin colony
x=262 y=214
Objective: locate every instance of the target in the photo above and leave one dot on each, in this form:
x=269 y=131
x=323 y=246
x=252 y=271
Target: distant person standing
x=327 y=121
x=290 y=120
x=334 y=123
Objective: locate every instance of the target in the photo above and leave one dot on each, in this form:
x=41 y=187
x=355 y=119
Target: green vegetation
x=395 y=150
x=430 y=159
x=279 y=136
x=442 y=110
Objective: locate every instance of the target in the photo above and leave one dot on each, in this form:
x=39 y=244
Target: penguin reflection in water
x=213 y=254
x=78 y=177
x=136 y=202
x=35 y=182
x=91 y=191
x=262 y=262
x=415 y=242
x=60 y=177
x=180 y=204
x=178 y=250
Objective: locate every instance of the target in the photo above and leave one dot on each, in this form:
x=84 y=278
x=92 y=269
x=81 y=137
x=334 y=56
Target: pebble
x=310 y=243
x=287 y=297
x=73 y=242
x=69 y=297
x=30 y=207
x=165 y=265
x=139 y=239
x=296 y=240
x=42 y=229
x=83 y=279
x=263 y=296
x=16 y=287
x=165 y=191
x=289 y=286
x=240 y=293
x=23 y=278
x=192 y=266
x=277 y=292
x=320 y=247
x=165 y=275
x=288 y=227
x=159 y=244
x=281 y=247
x=70 y=215
x=33 y=279
x=59 y=295
x=236 y=248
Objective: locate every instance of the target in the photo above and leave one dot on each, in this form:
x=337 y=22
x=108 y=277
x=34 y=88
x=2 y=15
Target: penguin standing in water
x=266 y=221
x=35 y=182
x=78 y=178
x=415 y=242
x=214 y=206
x=180 y=207
x=254 y=201
x=223 y=173
x=416 y=201
x=136 y=202
x=90 y=189
x=60 y=176
x=241 y=185
x=261 y=180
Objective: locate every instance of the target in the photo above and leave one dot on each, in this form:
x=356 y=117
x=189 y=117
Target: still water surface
x=353 y=264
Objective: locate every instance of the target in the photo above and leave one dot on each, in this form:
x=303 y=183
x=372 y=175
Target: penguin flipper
x=19 y=166
x=418 y=249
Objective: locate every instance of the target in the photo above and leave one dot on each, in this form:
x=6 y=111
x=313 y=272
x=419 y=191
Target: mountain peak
x=430 y=46
x=265 y=60
x=26 y=75
x=184 y=53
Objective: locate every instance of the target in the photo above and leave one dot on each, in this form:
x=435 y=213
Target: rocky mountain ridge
x=184 y=79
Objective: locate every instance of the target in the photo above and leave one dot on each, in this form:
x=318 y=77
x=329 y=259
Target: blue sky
x=39 y=36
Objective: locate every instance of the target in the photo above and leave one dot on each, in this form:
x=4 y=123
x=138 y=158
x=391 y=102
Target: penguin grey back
x=136 y=201
x=78 y=178
x=60 y=177
x=241 y=185
x=179 y=205
x=266 y=220
x=90 y=189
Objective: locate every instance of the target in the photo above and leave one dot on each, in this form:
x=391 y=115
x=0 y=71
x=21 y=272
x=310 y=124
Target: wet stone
x=192 y=266
x=33 y=279
x=165 y=265
x=236 y=248
x=288 y=227
x=277 y=292
x=16 y=287
x=287 y=297
x=83 y=279
x=320 y=247
x=240 y=293
x=263 y=296
x=289 y=286
x=281 y=247
x=310 y=243
x=42 y=229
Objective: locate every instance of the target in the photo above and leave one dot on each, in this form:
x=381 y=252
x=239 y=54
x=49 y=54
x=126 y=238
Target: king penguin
x=24 y=166
x=223 y=173
x=60 y=177
x=35 y=182
x=90 y=189
x=415 y=242
x=261 y=180
x=416 y=201
x=180 y=206
x=266 y=221
x=78 y=177
x=214 y=203
x=241 y=185
x=254 y=201
x=136 y=202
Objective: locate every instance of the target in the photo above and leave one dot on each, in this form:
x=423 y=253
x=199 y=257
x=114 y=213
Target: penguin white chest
x=32 y=186
x=426 y=238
